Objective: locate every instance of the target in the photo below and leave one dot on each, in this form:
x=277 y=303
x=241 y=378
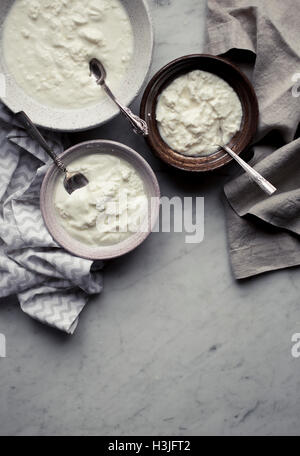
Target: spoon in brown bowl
x=97 y=69
x=265 y=185
x=73 y=180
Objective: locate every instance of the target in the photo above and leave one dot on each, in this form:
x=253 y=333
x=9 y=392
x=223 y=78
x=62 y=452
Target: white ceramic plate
x=104 y=252
x=89 y=117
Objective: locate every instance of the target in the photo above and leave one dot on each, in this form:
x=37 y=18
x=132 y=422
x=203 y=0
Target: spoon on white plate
x=97 y=69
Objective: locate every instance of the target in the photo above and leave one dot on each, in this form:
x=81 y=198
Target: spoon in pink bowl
x=72 y=180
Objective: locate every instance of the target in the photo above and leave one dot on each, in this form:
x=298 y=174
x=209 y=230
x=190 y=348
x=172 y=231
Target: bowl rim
x=78 y=120
x=94 y=253
x=160 y=147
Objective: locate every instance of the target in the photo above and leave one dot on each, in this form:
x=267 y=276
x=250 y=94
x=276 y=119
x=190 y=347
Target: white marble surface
x=173 y=346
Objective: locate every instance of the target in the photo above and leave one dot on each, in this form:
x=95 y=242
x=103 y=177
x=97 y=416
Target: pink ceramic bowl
x=102 y=252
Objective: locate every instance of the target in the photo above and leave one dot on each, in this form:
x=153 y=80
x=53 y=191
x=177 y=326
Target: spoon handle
x=265 y=185
x=139 y=125
x=34 y=133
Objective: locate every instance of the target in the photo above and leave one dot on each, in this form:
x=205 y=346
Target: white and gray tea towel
x=52 y=285
x=264 y=231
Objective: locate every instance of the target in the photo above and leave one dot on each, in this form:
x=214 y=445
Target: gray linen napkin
x=52 y=285
x=263 y=231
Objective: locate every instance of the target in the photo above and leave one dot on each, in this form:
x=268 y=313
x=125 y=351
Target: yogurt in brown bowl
x=197 y=111
x=195 y=103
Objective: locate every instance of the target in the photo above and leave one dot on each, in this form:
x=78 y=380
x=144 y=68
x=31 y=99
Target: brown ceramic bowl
x=100 y=252
x=233 y=76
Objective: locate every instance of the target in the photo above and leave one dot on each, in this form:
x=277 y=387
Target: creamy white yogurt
x=197 y=111
x=48 y=45
x=111 y=208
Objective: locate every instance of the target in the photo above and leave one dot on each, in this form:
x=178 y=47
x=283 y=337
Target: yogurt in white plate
x=110 y=209
x=48 y=45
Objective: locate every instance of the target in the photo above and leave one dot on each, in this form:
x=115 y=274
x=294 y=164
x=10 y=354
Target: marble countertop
x=174 y=345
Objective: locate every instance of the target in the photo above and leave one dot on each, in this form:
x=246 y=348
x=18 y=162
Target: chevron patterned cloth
x=52 y=285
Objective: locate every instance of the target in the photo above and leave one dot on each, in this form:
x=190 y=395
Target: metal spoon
x=73 y=180
x=98 y=71
x=265 y=185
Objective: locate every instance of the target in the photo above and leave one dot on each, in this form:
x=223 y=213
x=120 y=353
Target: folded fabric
x=263 y=231
x=52 y=285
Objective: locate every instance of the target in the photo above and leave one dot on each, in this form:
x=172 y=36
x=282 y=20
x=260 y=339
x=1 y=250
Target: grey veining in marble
x=173 y=346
